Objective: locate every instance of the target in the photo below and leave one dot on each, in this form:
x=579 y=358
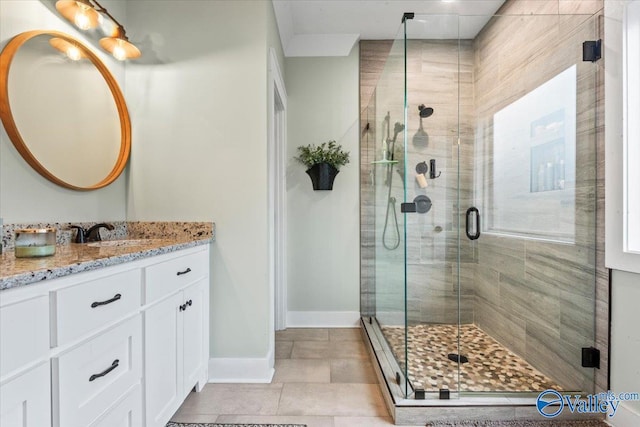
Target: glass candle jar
x=35 y=242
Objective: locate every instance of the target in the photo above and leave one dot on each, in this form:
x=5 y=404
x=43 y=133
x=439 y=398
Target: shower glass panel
x=434 y=59
x=530 y=170
x=486 y=127
x=387 y=179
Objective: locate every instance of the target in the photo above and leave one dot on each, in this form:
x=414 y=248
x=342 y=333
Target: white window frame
x=622 y=135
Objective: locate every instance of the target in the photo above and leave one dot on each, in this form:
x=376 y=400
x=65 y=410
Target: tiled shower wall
x=532 y=296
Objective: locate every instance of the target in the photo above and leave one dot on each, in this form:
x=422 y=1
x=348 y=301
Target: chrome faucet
x=92 y=234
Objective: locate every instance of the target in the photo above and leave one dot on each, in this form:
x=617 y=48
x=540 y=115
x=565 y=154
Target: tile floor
x=323 y=378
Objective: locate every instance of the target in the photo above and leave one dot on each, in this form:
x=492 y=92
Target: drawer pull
x=115 y=298
x=189 y=302
x=183 y=307
x=180 y=273
x=113 y=366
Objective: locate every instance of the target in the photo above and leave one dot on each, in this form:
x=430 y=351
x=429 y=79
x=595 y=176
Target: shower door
x=531 y=175
x=479 y=204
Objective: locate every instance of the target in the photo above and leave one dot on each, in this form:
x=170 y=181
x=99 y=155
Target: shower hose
x=391 y=206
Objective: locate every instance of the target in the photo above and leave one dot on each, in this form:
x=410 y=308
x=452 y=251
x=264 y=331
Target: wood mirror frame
x=6 y=57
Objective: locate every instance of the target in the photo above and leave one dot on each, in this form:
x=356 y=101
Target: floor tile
x=347 y=350
x=302 y=371
x=352 y=371
x=332 y=399
x=259 y=399
x=362 y=421
x=193 y=418
x=283 y=349
x=345 y=334
x=310 y=421
x=310 y=350
x=303 y=334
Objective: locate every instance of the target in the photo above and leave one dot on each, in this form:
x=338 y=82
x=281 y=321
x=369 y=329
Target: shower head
x=425 y=111
x=397 y=128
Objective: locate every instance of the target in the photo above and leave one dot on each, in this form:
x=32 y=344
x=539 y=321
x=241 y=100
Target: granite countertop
x=75 y=258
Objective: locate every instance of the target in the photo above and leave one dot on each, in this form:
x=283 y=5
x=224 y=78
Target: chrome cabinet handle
x=115 y=298
x=180 y=273
x=113 y=366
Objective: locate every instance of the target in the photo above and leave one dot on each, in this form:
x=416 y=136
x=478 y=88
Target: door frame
x=277 y=190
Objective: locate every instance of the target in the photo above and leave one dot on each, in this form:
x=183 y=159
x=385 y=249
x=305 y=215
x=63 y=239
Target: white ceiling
x=332 y=27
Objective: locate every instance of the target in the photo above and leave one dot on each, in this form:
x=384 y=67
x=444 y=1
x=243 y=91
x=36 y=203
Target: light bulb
x=119 y=53
x=82 y=20
x=74 y=53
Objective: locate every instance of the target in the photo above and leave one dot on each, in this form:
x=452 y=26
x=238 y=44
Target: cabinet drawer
x=97 y=373
x=81 y=308
x=164 y=278
x=126 y=413
x=24 y=332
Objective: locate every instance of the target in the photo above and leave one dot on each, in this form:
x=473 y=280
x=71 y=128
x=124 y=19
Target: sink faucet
x=92 y=234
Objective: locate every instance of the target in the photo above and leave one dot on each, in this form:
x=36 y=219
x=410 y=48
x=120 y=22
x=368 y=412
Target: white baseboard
x=322 y=319
x=625 y=417
x=241 y=370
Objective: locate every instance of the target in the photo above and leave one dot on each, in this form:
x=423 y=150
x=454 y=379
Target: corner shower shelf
x=384 y=162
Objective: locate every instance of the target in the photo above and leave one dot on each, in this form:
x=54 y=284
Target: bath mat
x=520 y=423
x=232 y=425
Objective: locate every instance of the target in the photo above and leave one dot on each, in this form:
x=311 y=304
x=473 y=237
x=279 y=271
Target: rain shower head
x=425 y=111
x=398 y=127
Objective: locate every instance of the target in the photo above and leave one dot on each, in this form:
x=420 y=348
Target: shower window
x=532 y=170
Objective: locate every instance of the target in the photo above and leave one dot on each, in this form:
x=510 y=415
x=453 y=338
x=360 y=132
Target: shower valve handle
x=408 y=207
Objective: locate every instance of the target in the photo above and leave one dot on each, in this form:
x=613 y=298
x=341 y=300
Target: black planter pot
x=322 y=176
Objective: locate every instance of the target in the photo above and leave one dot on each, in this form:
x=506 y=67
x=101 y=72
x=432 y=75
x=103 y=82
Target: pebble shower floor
x=491 y=366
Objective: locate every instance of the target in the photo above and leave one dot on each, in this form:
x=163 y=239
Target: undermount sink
x=120 y=243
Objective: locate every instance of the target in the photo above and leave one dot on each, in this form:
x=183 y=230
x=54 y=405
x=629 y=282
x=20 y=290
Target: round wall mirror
x=63 y=110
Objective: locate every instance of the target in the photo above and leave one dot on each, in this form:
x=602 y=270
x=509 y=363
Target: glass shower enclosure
x=478 y=203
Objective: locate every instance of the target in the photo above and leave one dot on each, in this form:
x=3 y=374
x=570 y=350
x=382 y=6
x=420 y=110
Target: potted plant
x=323 y=162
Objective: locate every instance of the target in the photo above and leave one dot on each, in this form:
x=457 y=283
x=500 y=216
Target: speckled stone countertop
x=75 y=258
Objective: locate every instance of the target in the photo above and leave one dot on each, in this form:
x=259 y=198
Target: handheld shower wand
x=391 y=201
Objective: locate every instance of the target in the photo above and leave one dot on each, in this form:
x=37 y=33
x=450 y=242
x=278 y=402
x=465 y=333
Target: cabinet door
x=127 y=413
x=26 y=400
x=195 y=298
x=163 y=360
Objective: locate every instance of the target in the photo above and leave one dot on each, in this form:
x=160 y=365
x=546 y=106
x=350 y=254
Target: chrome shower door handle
x=472 y=228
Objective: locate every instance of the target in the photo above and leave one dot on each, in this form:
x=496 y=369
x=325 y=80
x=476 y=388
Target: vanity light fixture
x=87 y=14
x=80 y=12
x=71 y=50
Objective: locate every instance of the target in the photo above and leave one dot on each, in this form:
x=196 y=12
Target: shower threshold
x=465 y=405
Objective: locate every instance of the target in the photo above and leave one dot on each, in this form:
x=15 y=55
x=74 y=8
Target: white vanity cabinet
x=25 y=390
x=119 y=346
x=176 y=334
